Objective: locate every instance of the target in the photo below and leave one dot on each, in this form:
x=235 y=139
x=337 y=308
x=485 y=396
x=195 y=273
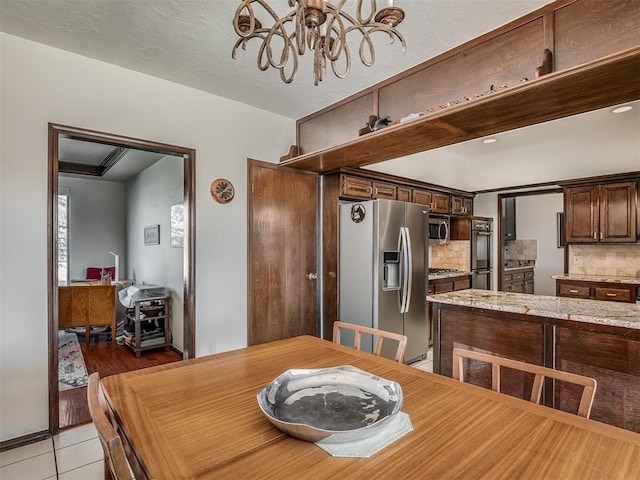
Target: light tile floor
x=427 y=363
x=76 y=454
x=73 y=454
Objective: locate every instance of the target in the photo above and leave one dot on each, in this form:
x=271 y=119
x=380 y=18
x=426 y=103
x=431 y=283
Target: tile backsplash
x=614 y=260
x=521 y=250
x=454 y=254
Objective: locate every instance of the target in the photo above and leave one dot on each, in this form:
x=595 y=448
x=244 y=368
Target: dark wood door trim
x=189 y=154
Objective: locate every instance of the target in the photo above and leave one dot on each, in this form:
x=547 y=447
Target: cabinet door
x=467 y=206
x=383 y=190
x=423 y=197
x=618 y=212
x=528 y=286
x=581 y=214
x=518 y=287
x=404 y=194
x=441 y=202
x=356 y=187
x=102 y=304
x=456 y=205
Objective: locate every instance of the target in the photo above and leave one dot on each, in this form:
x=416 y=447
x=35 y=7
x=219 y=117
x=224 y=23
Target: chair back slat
x=115 y=458
x=379 y=335
x=589 y=384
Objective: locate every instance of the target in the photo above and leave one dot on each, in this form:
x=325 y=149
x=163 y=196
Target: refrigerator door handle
x=404 y=269
x=409 y=272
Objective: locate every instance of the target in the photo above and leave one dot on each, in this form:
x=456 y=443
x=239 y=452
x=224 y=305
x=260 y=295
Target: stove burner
x=442 y=270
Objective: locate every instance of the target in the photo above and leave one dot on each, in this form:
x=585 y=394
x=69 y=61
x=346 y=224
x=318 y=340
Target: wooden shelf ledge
x=611 y=80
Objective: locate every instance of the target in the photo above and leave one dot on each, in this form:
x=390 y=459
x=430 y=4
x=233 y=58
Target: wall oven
x=438 y=228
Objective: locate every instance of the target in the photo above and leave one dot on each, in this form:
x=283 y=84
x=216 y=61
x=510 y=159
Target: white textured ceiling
x=190 y=41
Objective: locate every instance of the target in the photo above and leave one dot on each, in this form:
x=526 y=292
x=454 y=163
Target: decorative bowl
x=344 y=403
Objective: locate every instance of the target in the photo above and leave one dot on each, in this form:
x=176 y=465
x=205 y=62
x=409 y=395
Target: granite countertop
x=598 y=278
x=438 y=276
x=510 y=269
x=617 y=314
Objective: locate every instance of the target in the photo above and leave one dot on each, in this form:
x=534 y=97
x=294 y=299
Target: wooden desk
x=200 y=419
x=87 y=304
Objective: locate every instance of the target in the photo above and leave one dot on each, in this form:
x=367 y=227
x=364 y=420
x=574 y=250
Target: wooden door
x=581 y=214
x=282 y=271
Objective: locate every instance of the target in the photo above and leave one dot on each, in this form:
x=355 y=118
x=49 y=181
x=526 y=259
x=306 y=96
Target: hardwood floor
x=108 y=358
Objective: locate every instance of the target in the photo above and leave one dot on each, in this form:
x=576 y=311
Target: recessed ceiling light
x=490 y=140
x=622 y=109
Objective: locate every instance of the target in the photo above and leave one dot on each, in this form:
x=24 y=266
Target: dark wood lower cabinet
x=609 y=354
x=614 y=361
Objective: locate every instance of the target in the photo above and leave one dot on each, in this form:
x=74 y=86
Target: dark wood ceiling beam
x=609 y=81
x=79 y=168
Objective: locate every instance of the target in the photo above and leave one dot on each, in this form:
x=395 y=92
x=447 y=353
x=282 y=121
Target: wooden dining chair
x=589 y=384
x=116 y=465
x=378 y=335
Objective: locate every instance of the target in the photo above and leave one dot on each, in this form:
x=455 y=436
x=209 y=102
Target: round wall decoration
x=222 y=190
x=358 y=212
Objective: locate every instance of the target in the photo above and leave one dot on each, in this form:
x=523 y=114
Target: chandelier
x=318 y=25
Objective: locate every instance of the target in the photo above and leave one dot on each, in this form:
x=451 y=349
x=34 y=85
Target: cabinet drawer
x=356 y=187
x=517 y=276
x=431 y=289
x=461 y=284
x=613 y=294
x=421 y=196
x=528 y=275
x=443 y=287
x=383 y=190
x=576 y=291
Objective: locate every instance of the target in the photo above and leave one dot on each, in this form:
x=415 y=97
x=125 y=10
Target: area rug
x=72 y=372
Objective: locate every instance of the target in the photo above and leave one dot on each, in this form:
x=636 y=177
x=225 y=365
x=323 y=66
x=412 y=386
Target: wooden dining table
x=200 y=419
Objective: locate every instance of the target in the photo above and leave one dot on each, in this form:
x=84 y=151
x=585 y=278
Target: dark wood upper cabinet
x=605 y=213
x=618 y=212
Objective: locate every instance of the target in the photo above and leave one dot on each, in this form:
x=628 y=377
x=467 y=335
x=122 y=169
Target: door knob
x=312 y=276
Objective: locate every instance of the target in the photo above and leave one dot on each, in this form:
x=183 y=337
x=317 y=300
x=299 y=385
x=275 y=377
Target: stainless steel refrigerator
x=383 y=272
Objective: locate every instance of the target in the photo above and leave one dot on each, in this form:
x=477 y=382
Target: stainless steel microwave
x=439 y=228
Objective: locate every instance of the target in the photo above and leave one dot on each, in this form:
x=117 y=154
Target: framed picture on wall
x=152 y=235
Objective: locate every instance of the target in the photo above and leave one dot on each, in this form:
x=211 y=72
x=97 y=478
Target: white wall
x=536 y=220
x=40 y=84
x=150 y=196
x=96 y=224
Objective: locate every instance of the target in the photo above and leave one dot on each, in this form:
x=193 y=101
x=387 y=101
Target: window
x=63 y=238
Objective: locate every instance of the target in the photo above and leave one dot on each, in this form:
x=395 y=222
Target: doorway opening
x=124 y=156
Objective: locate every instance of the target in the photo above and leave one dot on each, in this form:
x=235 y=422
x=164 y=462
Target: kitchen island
x=589 y=337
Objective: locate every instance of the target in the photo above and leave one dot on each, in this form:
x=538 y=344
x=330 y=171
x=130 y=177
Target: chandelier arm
x=246 y=5
x=336 y=44
x=372 y=11
x=347 y=67
x=294 y=70
x=300 y=29
x=279 y=30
